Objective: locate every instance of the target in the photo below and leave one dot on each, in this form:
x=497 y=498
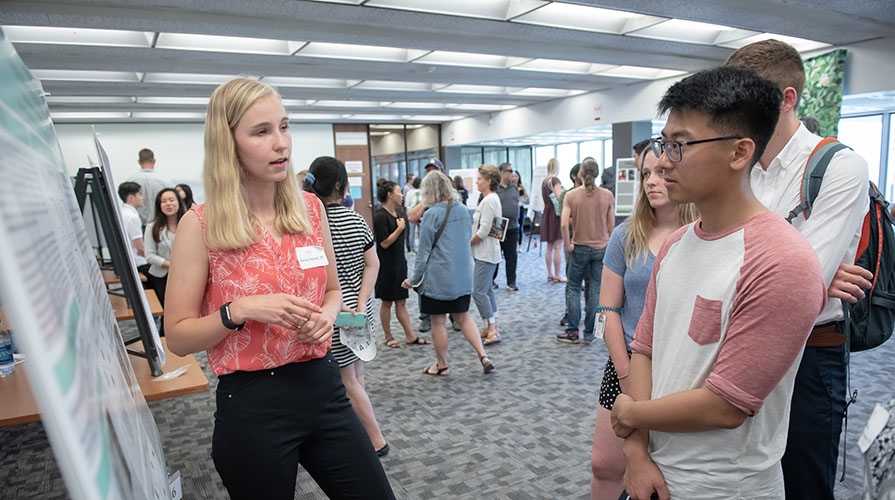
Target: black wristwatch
x=225 y=318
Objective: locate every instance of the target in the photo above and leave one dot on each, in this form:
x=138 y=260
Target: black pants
x=160 y=285
x=508 y=247
x=267 y=422
x=815 y=424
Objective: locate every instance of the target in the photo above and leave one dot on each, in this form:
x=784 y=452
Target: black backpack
x=871 y=320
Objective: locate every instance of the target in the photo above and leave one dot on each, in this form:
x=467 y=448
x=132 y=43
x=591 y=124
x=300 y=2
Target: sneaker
x=513 y=288
x=455 y=326
x=568 y=337
x=425 y=326
x=564 y=320
x=587 y=341
x=494 y=285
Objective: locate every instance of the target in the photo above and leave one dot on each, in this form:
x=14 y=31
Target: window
x=543 y=155
x=567 y=154
x=864 y=135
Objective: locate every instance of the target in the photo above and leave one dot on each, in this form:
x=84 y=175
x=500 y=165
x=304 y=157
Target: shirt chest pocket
x=705 y=323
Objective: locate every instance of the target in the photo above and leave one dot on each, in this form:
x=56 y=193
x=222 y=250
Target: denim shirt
x=448 y=274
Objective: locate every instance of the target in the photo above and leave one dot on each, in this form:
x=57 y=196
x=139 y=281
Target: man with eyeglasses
x=716 y=349
x=833 y=230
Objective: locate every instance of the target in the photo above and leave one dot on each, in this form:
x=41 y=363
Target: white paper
x=354 y=167
x=877 y=422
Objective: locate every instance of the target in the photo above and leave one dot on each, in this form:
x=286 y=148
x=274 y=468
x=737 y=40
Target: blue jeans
x=482 y=292
x=815 y=424
x=587 y=265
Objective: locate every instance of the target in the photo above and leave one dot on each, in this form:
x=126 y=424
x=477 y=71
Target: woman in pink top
x=253 y=282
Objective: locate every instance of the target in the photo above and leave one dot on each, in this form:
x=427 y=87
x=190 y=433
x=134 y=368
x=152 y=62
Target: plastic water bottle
x=7 y=363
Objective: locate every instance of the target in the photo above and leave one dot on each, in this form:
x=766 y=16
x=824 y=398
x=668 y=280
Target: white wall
x=179 y=148
x=870 y=67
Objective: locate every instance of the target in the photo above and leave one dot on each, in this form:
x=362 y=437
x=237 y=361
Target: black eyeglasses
x=674 y=149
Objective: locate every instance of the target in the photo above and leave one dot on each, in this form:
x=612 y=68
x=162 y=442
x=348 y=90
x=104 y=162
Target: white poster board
x=101 y=431
x=469 y=175
x=535 y=198
x=627 y=180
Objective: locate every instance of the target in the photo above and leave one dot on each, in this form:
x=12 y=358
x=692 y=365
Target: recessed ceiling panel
x=679 y=30
x=581 y=17
x=77 y=36
x=214 y=43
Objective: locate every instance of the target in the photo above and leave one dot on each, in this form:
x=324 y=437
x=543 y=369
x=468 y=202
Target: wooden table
x=110 y=278
x=19 y=407
x=122 y=312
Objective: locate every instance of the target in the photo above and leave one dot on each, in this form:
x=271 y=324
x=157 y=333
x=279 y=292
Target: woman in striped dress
x=357 y=266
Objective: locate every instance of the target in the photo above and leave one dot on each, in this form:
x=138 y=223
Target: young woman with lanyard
x=627 y=266
x=253 y=282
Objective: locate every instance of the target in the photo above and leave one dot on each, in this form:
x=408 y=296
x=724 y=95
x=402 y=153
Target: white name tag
x=311 y=257
x=600 y=326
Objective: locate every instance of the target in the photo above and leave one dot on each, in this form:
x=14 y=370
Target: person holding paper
x=253 y=281
x=486 y=250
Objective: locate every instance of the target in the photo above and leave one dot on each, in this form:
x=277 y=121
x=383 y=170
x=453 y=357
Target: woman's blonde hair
x=229 y=222
x=643 y=221
x=491 y=173
x=435 y=188
x=552 y=169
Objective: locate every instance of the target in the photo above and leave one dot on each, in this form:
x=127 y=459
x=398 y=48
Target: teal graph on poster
x=103 y=436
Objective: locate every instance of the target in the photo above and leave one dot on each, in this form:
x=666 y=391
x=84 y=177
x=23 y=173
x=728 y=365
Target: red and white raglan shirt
x=730 y=312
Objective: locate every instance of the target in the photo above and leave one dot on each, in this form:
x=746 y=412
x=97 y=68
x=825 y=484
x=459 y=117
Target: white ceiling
x=399 y=61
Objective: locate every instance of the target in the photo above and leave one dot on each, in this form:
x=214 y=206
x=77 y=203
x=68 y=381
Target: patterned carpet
x=523 y=432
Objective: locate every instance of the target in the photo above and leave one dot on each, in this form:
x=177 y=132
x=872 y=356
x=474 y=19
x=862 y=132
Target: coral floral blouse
x=265 y=267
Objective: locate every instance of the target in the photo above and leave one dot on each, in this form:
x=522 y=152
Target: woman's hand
x=316 y=330
x=406 y=284
x=279 y=309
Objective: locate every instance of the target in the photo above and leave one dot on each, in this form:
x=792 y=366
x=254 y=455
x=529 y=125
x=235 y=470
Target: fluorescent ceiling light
x=74 y=115
x=386 y=85
x=473 y=89
x=434 y=118
x=215 y=43
x=580 y=17
x=314 y=116
x=329 y=83
x=679 y=30
x=77 y=36
x=298 y=102
x=203 y=101
x=73 y=75
x=641 y=72
x=800 y=44
x=417 y=105
x=486 y=9
x=542 y=92
x=187 y=78
x=373 y=117
x=52 y=99
x=359 y=52
x=481 y=107
x=560 y=66
x=463 y=59
x=348 y=104
x=168 y=115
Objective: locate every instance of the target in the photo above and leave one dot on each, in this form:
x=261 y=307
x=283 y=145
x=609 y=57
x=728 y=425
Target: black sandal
x=439 y=372
x=487 y=366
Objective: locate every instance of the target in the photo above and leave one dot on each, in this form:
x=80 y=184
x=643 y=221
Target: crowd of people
x=686 y=294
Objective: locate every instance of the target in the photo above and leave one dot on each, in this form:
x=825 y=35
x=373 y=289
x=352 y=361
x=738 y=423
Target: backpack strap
x=813 y=176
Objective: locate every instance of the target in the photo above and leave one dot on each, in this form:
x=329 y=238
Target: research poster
x=102 y=433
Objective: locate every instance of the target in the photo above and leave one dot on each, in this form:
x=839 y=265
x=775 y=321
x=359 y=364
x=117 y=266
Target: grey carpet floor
x=524 y=432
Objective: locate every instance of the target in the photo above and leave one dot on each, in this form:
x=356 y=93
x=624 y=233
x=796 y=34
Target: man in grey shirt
x=508 y=192
x=151 y=183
